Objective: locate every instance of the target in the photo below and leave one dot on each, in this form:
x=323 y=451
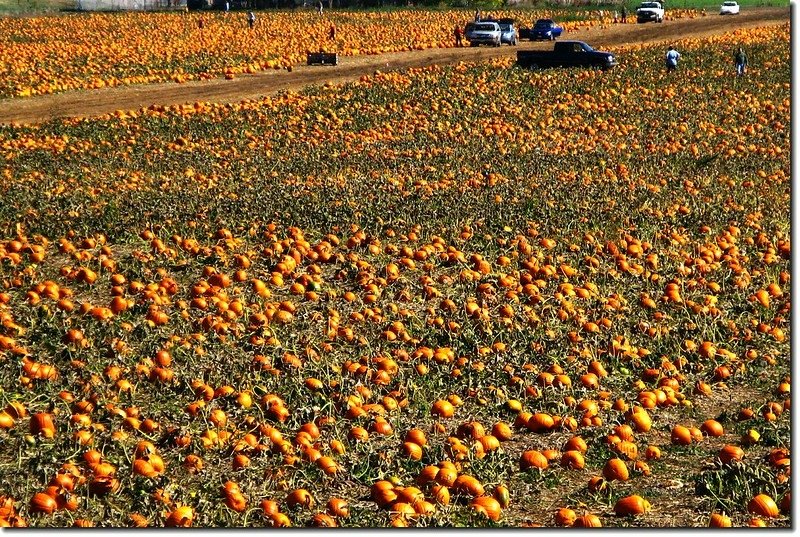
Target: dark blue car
x=545 y=30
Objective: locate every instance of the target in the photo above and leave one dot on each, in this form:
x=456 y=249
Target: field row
x=41 y=55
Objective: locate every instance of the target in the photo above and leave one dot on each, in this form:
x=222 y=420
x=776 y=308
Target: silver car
x=508 y=34
x=483 y=33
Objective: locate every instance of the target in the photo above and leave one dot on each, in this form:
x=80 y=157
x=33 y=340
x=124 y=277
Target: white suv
x=486 y=33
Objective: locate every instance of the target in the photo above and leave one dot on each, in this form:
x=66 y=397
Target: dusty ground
x=89 y=103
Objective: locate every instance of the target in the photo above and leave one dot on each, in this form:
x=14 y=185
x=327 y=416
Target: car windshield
x=485 y=27
x=650 y=4
x=505 y=27
x=543 y=24
x=729 y=4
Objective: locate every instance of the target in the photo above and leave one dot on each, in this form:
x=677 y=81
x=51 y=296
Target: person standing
x=624 y=14
x=319 y=7
x=251 y=19
x=332 y=32
x=227 y=6
x=672 y=59
x=200 y=23
x=477 y=15
x=457 y=33
x=741 y=61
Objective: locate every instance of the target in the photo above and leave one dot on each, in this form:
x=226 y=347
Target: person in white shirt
x=672 y=58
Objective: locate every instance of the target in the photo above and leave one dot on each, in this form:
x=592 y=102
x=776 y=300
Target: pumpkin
x=443 y=409
x=532 y=459
x=763 y=505
x=719 y=520
x=540 y=422
x=730 y=453
x=615 y=470
x=712 y=428
x=323 y=520
x=466 y=484
x=488 y=507
x=416 y=436
x=588 y=521
x=681 y=436
x=300 y=498
x=502 y=431
x=338 y=507
x=43 y=503
x=502 y=495
x=440 y=494
x=576 y=443
x=631 y=505
x=596 y=484
x=565 y=517
x=42 y=424
x=181 y=517
x=573 y=460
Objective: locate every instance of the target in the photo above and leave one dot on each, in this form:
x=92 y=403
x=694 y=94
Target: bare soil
x=89 y=103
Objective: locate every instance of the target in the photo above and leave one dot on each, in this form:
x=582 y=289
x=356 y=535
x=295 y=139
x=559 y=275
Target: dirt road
x=88 y=103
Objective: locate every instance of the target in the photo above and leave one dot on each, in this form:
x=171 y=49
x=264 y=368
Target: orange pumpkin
x=730 y=453
x=488 y=507
x=681 y=436
x=615 y=470
x=565 y=517
x=712 y=428
x=588 y=521
x=532 y=459
x=43 y=503
x=763 y=505
x=719 y=520
x=631 y=505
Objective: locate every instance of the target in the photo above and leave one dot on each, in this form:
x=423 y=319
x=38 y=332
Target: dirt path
x=88 y=103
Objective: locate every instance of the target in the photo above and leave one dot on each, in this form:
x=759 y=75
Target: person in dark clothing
x=200 y=23
x=457 y=33
x=624 y=14
x=332 y=33
x=741 y=61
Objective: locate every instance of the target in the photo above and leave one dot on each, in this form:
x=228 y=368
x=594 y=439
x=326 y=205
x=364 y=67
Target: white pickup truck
x=650 y=11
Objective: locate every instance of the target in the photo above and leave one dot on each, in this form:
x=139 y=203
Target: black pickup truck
x=566 y=54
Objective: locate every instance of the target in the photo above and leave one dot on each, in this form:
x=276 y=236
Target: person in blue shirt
x=672 y=59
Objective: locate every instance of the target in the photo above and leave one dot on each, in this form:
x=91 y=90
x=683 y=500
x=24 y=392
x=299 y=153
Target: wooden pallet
x=322 y=58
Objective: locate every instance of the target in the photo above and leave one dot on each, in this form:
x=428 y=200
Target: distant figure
x=319 y=7
x=227 y=6
x=251 y=19
x=200 y=23
x=624 y=14
x=477 y=15
x=457 y=33
x=741 y=62
x=672 y=59
x=332 y=33
x=616 y=17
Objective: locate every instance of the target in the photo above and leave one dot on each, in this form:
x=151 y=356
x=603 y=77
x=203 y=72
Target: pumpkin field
x=467 y=295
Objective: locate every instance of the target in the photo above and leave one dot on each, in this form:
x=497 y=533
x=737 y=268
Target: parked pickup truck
x=483 y=33
x=650 y=11
x=543 y=30
x=566 y=54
